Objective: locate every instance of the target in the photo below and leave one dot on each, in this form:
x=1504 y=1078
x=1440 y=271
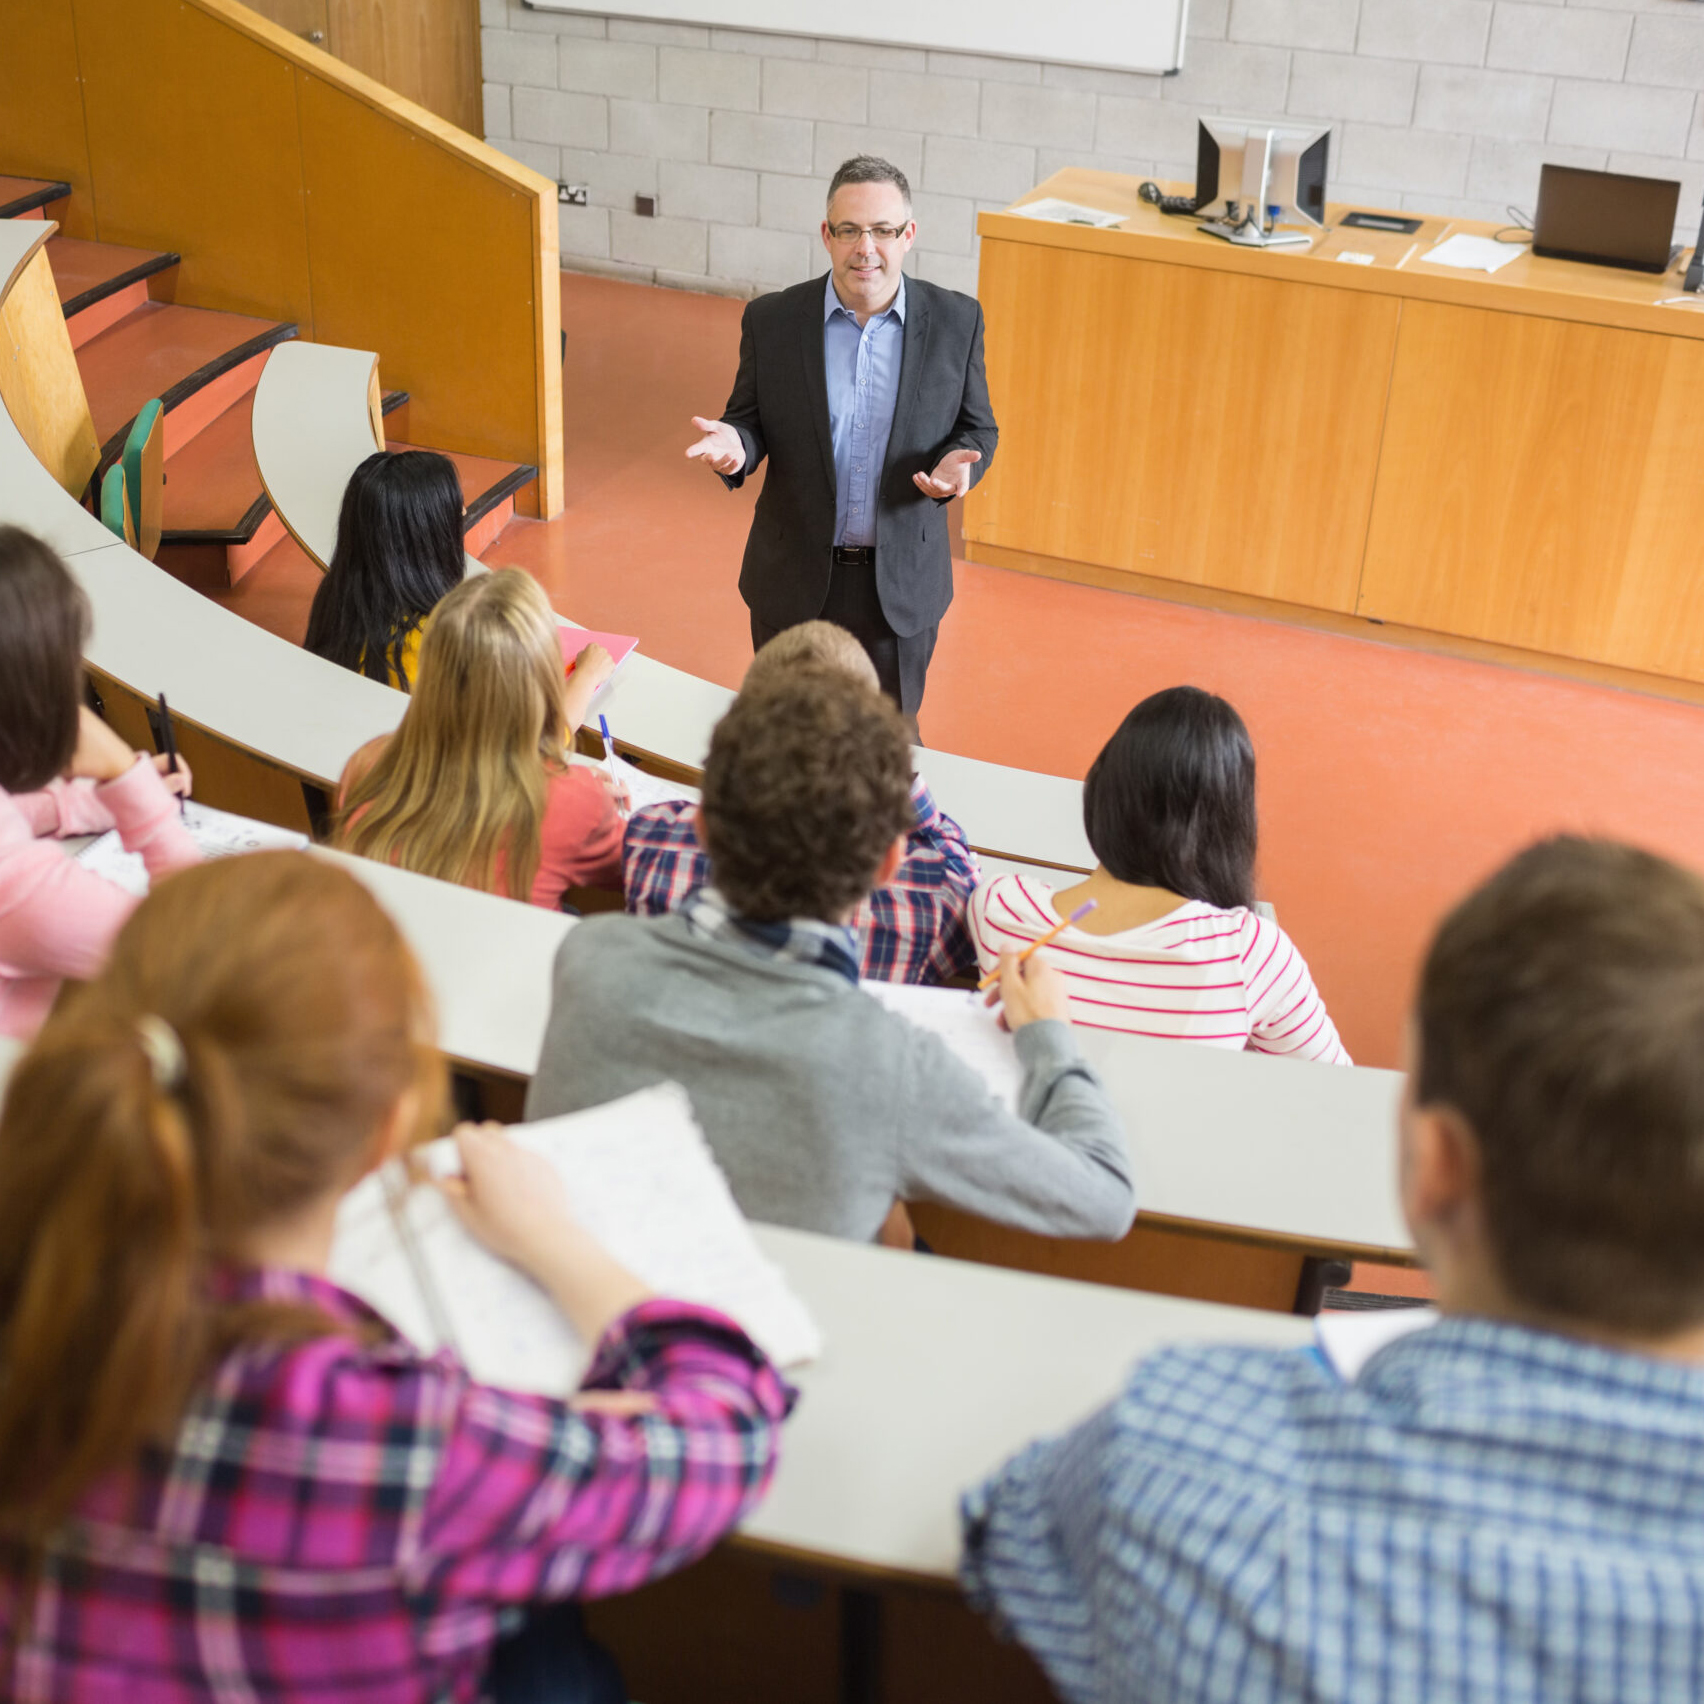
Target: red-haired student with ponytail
x=222 y=1477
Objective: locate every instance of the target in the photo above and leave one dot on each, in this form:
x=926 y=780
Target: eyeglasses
x=882 y=233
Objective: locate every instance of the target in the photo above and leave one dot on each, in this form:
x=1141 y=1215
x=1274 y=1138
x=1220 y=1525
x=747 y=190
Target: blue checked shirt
x=861 y=364
x=912 y=930
x=1488 y=1515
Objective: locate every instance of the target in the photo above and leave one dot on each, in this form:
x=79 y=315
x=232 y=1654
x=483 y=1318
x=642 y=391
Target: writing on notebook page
x=641 y=1178
x=217 y=834
x=971 y=1029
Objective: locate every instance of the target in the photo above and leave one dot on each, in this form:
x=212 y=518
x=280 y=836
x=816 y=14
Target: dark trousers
x=854 y=603
x=553 y=1660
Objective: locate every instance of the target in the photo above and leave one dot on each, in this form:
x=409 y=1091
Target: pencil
x=171 y=750
x=1058 y=929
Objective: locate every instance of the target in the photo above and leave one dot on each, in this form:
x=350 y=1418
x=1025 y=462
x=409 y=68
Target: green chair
x=115 y=507
x=143 y=458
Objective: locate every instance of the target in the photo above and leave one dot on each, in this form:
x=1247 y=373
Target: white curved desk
x=933 y=1372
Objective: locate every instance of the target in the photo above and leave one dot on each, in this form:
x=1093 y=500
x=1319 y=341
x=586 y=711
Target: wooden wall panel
x=193 y=141
x=427 y=50
x=41 y=107
x=454 y=316
x=1541 y=486
x=1212 y=427
x=40 y=385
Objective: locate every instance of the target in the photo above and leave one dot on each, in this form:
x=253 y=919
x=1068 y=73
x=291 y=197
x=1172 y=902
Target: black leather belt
x=863 y=556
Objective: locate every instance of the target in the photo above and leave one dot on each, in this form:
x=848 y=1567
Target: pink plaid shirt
x=912 y=930
x=351 y=1522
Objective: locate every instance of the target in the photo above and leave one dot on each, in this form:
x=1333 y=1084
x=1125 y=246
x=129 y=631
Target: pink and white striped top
x=1226 y=978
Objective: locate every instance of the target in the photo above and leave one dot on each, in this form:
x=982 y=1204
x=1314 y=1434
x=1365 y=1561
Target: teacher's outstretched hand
x=721 y=446
x=951 y=477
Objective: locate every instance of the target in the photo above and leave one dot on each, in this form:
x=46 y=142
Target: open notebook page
x=971 y=1029
x=219 y=834
x=642 y=1180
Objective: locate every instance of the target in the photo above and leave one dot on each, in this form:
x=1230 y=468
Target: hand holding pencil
x=1030 y=988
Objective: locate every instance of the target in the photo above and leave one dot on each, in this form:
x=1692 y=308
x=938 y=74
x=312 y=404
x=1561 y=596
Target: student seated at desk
x=399 y=550
x=473 y=787
x=63 y=771
x=911 y=929
x=822 y=1105
x=222 y=1476
x=1174 y=947
x=1507 y=1505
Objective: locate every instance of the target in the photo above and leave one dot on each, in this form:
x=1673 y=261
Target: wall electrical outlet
x=574 y=194
x=645 y=206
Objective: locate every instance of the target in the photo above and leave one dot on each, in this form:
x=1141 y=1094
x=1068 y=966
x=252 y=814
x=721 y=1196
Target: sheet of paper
x=219 y=834
x=1473 y=254
x=1350 y=1340
x=642 y=1180
x=971 y=1029
x=1069 y=213
x=645 y=789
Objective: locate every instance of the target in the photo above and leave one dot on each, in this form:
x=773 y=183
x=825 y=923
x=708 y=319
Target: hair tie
x=164 y=1049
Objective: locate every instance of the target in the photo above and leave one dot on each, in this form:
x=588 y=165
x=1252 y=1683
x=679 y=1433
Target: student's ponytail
x=258 y=1020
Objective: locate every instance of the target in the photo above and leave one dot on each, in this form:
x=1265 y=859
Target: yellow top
x=410 y=660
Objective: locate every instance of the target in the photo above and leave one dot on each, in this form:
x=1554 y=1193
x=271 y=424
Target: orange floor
x=1389 y=779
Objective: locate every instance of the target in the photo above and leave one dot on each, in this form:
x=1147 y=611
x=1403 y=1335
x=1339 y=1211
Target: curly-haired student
x=823 y=1106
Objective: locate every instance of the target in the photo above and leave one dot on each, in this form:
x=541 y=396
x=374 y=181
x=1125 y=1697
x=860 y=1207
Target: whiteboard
x=1129 y=35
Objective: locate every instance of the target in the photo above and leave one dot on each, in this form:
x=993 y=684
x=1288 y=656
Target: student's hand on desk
x=593 y=665
x=1029 y=992
x=951 y=477
x=721 y=446
x=509 y=1197
x=618 y=795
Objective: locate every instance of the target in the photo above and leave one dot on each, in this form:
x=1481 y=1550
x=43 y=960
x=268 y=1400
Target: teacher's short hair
x=1561 y=1016
x=1169 y=803
x=807 y=784
x=869 y=168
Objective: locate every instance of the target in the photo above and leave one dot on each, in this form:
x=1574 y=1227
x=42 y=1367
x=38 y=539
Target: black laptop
x=1607 y=218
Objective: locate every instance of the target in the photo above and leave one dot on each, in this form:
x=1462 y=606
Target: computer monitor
x=1607 y=218
x=1254 y=173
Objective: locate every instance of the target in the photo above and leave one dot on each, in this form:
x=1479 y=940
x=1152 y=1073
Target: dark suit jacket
x=779 y=407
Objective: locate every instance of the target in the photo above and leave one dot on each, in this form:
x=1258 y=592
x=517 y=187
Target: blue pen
x=609 y=746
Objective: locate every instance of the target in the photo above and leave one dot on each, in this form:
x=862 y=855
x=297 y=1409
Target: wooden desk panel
x=1534 y=486
x=1217 y=428
x=1508 y=461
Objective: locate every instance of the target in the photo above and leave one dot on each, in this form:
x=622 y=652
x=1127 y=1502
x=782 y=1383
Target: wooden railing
x=298 y=189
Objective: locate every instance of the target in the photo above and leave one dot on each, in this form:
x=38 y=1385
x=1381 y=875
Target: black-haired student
x=399 y=550
x=1174 y=946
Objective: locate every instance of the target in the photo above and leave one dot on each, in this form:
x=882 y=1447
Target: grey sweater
x=821 y=1105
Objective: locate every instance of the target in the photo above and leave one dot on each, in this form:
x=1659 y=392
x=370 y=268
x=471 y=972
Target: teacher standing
x=866 y=391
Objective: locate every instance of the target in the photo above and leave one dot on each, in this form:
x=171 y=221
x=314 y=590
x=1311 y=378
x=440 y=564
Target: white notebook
x=641 y=1179
x=219 y=834
x=971 y=1029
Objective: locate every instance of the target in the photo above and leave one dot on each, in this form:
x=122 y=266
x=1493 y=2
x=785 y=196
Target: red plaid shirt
x=358 y=1524
x=912 y=930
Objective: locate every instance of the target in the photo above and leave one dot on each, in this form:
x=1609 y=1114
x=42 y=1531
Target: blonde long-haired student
x=474 y=786
x=223 y=1476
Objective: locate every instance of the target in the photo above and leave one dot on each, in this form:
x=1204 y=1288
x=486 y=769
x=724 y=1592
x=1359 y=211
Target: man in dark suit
x=866 y=391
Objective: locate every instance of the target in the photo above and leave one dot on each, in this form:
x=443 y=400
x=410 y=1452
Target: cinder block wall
x=1442 y=105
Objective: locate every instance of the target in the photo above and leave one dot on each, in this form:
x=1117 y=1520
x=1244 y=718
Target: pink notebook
x=575 y=639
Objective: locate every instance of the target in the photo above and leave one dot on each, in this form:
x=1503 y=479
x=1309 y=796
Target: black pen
x=171 y=750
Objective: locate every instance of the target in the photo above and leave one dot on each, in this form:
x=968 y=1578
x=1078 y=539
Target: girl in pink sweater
x=62 y=771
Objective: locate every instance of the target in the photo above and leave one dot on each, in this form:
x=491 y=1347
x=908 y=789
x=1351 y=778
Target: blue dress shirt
x=862 y=366
x=1487 y=1515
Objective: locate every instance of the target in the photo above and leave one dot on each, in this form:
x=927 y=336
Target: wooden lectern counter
x=1514 y=459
